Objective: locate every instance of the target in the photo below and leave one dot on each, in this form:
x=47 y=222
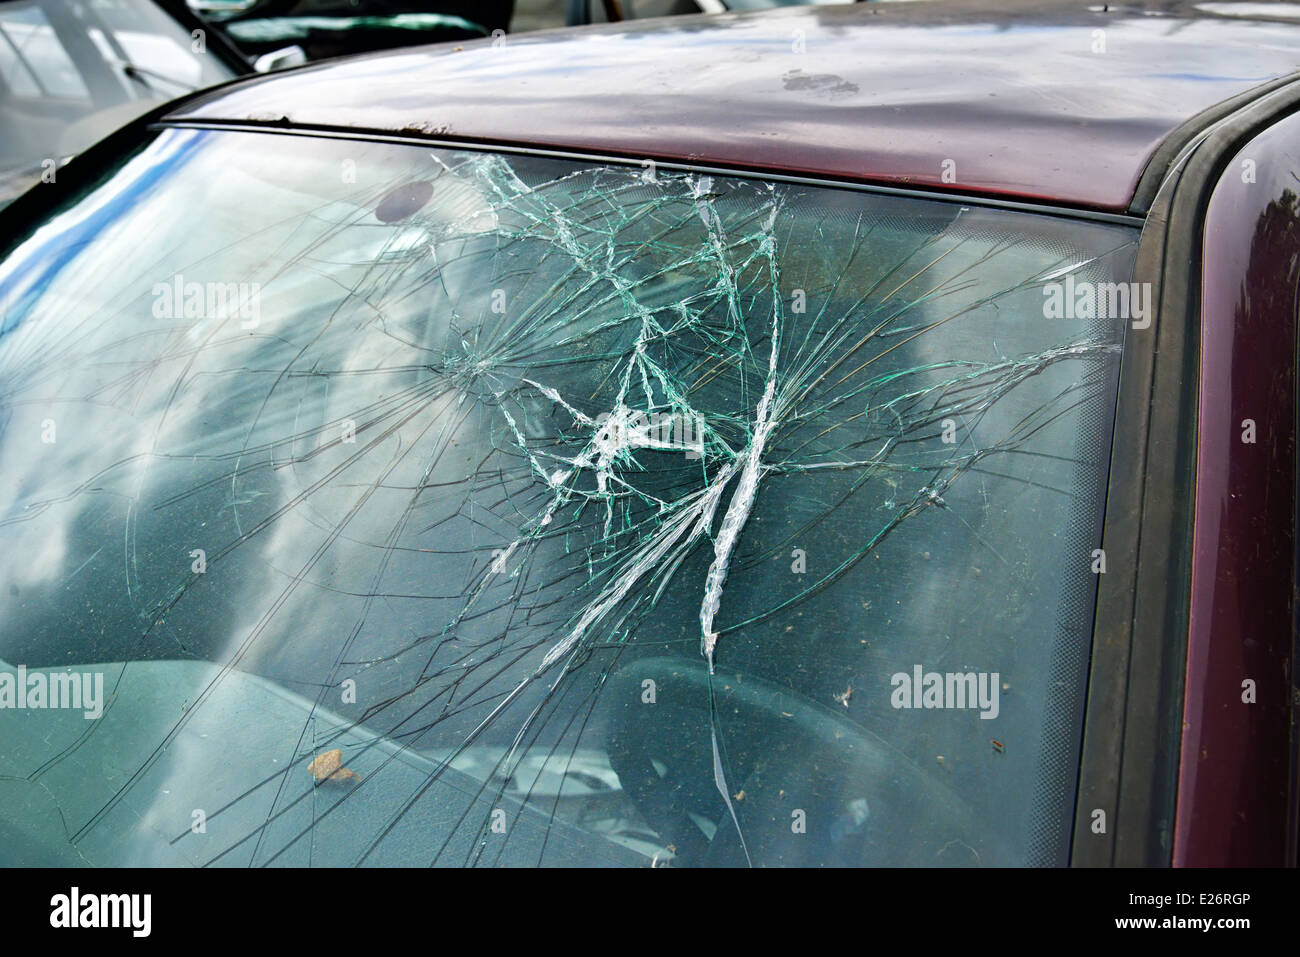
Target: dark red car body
x=1018 y=101
x=1133 y=112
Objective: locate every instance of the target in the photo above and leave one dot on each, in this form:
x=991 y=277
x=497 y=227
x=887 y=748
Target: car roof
x=1063 y=102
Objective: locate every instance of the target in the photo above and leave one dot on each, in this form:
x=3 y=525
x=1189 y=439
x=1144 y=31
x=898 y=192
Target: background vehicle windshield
x=73 y=71
x=431 y=506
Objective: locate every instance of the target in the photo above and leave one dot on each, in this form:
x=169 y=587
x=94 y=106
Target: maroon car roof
x=1063 y=102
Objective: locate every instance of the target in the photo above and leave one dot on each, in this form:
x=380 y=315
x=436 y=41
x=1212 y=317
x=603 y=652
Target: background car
x=326 y=29
x=72 y=71
x=582 y=12
x=693 y=442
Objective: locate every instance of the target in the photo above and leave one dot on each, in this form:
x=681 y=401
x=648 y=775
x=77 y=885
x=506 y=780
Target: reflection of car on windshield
x=407 y=463
x=72 y=71
x=327 y=28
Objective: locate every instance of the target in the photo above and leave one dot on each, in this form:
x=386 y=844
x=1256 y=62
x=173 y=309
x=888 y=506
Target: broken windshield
x=421 y=507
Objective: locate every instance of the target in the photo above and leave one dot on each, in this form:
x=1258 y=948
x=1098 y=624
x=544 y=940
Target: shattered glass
x=448 y=507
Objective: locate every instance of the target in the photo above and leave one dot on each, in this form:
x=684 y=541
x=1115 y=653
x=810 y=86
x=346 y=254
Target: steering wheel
x=808 y=786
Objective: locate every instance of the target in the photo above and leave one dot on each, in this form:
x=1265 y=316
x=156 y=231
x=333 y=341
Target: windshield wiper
x=142 y=75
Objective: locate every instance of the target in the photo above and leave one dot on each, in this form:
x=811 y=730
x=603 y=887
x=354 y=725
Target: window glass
x=422 y=506
x=32 y=61
x=73 y=71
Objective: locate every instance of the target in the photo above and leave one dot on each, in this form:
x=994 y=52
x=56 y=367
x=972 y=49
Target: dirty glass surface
x=428 y=507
